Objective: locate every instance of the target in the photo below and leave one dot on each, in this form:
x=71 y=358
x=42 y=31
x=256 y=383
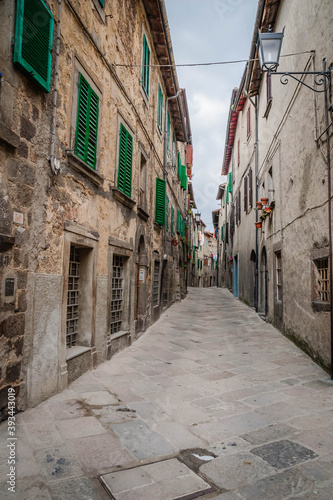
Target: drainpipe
x=165 y=176
x=256 y=168
x=55 y=162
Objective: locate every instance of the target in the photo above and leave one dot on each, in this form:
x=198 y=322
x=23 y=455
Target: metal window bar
x=278 y=278
x=117 y=293
x=73 y=297
x=323 y=280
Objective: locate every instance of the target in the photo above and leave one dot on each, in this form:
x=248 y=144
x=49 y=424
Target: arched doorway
x=263 y=283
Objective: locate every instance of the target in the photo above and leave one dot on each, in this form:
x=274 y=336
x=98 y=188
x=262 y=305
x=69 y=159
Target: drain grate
x=168 y=480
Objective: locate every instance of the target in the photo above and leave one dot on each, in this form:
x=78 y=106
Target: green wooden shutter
x=145 y=66
x=86 y=123
x=173 y=150
x=33 y=40
x=183 y=177
x=101 y=2
x=125 y=161
x=160 y=202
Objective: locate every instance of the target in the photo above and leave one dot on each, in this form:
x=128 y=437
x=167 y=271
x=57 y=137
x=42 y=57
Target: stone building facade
x=93 y=185
x=278 y=157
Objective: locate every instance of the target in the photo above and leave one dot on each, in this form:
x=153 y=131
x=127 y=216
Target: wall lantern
x=197 y=217
x=269 y=48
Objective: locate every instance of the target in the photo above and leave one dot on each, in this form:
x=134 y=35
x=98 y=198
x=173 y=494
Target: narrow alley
x=211 y=401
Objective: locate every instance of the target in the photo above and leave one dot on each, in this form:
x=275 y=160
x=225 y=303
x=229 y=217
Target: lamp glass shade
x=269 y=50
x=197 y=217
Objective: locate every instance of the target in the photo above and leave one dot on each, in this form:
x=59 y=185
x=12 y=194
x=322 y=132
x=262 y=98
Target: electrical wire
x=218 y=63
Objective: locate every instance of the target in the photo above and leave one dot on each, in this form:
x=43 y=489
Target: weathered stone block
x=13 y=372
x=17 y=345
x=22 y=278
x=13 y=326
x=22 y=301
x=23 y=150
x=28 y=129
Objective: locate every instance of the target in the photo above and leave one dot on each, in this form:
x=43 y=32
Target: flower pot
x=268 y=210
x=258 y=224
x=264 y=201
x=259 y=205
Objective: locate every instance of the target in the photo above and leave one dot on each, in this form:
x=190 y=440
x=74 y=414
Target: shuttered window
x=33 y=40
x=145 y=66
x=178 y=229
x=86 y=123
x=168 y=134
x=245 y=194
x=160 y=109
x=101 y=2
x=179 y=165
x=167 y=213
x=160 y=202
x=173 y=150
x=250 y=189
x=125 y=161
x=183 y=177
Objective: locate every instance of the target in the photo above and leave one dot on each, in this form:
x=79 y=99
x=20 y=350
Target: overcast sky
x=209 y=31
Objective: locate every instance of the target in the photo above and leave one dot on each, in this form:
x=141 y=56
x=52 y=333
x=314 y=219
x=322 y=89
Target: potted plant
x=258 y=224
x=259 y=205
x=268 y=210
x=264 y=201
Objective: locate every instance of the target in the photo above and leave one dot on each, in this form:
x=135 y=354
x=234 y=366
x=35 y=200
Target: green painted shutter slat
x=91 y=147
x=160 y=201
x=183 y=177
x=125 y=161
x=33 y=40
x=101 y=2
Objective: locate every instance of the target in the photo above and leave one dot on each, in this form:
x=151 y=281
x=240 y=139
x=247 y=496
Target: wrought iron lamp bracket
x=322 y=78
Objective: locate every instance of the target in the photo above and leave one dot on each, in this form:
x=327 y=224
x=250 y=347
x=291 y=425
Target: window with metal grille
x=117 y=293
x=278 y=267
x=145 y=66
x=156 y=282
x=33 y=40
x=73 y=296
x=323 y=280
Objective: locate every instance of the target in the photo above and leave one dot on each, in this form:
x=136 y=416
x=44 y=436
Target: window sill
x=84 y=169
x=268 y=107
x=123 y=198
x=117 y=335
x=77 y=350
x=143 y=214
x=319 y=306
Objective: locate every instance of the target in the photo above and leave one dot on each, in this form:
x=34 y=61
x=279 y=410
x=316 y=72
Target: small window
x=250 y=189
x=245 y=194
x=125 y=161
x=86 y=123
x=323 y=280
x=160 y=109
x=33 y=40
x=145 y=66
x=160 y=202
x=142 y=182
x=238 y=152
x=117 y=293
x=156 y=282
x=278 y=267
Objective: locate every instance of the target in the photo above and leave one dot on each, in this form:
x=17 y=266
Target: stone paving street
x=210 y=401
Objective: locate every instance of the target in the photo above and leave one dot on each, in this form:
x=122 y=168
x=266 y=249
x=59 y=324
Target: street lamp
x=197 y=217
x=269 y=48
